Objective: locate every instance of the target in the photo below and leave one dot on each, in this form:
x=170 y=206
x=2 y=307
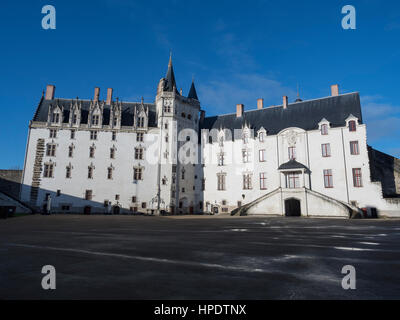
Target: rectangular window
x=293 y=181
x=88 y=195
x=95 y=120
x=53 y=133
x=72 y=134
x=137 y=174
x=91 y=152
x=246 y=156
x=75 y=119
x=326 y=150
x=203 y=184
x=90 y=172
x=140 y=122
x=221 y=159
x=70 y=151
x=117 y=197
x=68 y=173
x=114 y=136
x=112 y=153
x=352 y=126
x=262 y=155
x=324 y=129
x=138 y=153
x=109 y=173
x=115 y=121
x=221 y=182
x=134 y=199
x=354 y=149
x=328 y=178
x=261 y=136
x=144 y=205
x=51 y=150
x=247 y=182
x=93 y=135
x=292 y=153
x=263 y=181
x=357 y=178
x=48 y=170
x=139 y=137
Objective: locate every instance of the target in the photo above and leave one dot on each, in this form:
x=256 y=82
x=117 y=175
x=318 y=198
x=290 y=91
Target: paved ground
x=124 y=257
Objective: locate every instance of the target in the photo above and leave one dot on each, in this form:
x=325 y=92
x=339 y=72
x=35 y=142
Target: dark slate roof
x=192 y=92
x=292 y=164
x=170 y=82
x=304 y=114
x=41 y=113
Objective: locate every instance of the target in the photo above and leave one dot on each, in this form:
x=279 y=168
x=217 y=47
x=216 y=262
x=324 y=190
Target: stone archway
x=292 y=207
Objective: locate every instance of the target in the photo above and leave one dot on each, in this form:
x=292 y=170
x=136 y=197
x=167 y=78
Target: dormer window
x=140 y=122
x=115 y=121
x=95 y=120
x=261 y=136
x=352 y=126
x=221 y=141
x=74 y=118
x=324 y=129
x=55 y=118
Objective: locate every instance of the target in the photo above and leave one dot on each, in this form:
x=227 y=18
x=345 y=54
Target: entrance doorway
x=292 y=208
x=116 y=210
x=87 y=210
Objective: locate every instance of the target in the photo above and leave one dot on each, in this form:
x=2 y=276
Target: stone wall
x=10 y=182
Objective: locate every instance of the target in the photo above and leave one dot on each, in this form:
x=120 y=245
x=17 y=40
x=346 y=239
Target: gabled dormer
x=324 y=126
x=115 y=115
x=75 y=113
x=352 y=123
x=95 y=119
x=55 y=115
x=141 y=116
x=261 y=134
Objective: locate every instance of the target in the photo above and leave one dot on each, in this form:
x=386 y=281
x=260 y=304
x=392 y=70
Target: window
x=261 y=136
x=109 y=173
x=115 y=121
x=261 y=154
x=93 y=135
x=221 y=182
x=328 y=178
x=188 y=138
x=90 y=172
x=245 y=156
x=112 y=153
x=114 y=136
x=74 y=118
x=72 y=134
x=167 y=109
x=95 y=120
x=51 y=150
x=139 y=153
x=117 y=197
x=144 y=205
x=164 y=181
x=58 y=194
x=247 y=181
x=183 y=174
x=210 y=140
x=239 y=204
x=352 y=126
x=53 y=133
x=326 y=150
x=91 y=152
x=55 y=117
x=88 y=195
x=134 y=199
x=189 y=116
x=293 y=181
x=183 y=115
x=354 y=149
x=324 y=129
x=245 y=138
x=48 y=170
x=357 y=178
x=140 y=122
x=183 y=190
x=166 y=125
x=221 y=159
x=139 y=137
x=292 y=153
x=263 y=181
x=137 y=174
x=70 y=151
x=221 y=141
x=203 y=184
x=68 y=172
x=166 y=138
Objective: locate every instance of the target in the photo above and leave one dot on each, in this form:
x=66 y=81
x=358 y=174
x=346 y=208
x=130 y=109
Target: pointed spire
x=298 y=94
x=192 y=92
x=170 y=84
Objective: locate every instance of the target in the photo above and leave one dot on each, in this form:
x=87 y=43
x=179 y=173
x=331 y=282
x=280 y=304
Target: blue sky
x=237 y=51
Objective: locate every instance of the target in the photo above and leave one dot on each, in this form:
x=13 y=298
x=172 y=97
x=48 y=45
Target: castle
x=307 y=158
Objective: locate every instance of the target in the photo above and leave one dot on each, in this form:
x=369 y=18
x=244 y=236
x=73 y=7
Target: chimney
x=109 y=96
x=202 y=115
x=50 y=90
x=239 y=110
x=335 y=90
x=96 y=94
x=260 y=104
x=285 y=102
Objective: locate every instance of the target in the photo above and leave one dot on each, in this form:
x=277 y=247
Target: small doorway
x=292 y=208
x=116 y=210
x=87 y=210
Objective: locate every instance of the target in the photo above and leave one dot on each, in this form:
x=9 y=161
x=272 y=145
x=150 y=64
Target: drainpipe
x=345 y=167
